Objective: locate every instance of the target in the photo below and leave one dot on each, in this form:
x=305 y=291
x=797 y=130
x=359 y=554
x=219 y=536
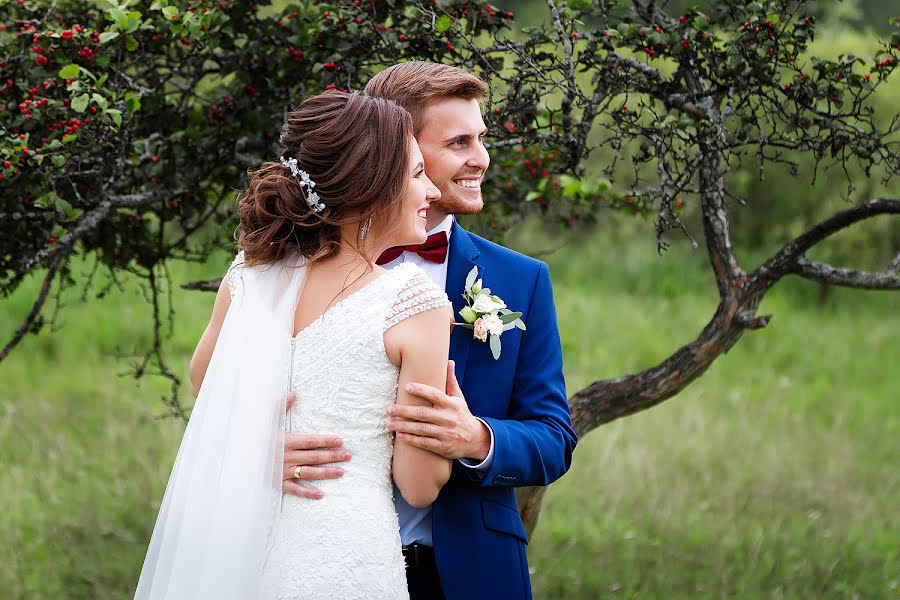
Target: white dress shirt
x=415 y=523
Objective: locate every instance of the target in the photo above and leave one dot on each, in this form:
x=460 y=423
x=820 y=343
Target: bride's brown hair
x=356 y=150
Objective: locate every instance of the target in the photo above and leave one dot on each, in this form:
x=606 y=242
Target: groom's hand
x=315 y=455
x=446 y=428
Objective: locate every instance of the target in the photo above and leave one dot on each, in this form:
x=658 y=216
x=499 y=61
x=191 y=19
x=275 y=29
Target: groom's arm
x=534 y=444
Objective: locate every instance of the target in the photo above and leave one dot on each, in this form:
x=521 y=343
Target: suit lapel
x=461 y=256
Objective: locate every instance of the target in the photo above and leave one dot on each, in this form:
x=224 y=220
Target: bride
x=304 y=309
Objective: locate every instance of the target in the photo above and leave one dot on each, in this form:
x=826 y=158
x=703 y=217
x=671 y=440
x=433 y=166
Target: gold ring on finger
x=297 y=471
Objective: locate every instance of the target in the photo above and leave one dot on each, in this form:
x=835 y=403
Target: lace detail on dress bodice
x=347 y=545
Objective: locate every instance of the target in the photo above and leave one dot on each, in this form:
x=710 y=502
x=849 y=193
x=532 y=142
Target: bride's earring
x=364 y=229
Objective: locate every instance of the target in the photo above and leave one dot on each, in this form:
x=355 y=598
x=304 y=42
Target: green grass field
x=774 y=476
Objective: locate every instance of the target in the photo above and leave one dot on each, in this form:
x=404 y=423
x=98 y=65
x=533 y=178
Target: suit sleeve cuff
x=488 y=461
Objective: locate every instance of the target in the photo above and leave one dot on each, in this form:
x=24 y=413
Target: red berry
x=6 y=164
x=679 y=202
x=154 y=158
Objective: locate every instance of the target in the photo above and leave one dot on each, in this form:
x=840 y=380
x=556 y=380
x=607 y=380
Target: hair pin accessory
x=312 y=198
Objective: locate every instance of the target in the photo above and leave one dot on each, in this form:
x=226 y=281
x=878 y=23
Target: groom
x=504 y=422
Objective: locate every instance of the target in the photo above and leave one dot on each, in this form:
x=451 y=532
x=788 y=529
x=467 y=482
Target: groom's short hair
x=415 y=85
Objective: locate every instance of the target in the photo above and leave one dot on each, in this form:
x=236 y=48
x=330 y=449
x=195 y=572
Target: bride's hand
x=315 y=455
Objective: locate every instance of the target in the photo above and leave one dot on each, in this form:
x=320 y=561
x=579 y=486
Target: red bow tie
x=434 y=249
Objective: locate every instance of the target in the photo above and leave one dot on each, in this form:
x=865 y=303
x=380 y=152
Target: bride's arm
x=204 y=350
x=420 y=344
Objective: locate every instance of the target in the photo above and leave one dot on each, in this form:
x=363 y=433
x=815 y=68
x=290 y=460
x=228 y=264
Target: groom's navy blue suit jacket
x=479 y=540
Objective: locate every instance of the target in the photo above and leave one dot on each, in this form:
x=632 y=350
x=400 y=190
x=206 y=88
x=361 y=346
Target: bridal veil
x=218 y=518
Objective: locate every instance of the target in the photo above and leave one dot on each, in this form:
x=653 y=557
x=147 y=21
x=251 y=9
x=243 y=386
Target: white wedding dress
x=347 y=544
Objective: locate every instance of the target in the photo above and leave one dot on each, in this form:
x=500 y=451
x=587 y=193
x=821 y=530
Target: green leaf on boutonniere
x=510 y=317
x=520 y=324
x=495 y=346
x=471 y=277
x=468 y=315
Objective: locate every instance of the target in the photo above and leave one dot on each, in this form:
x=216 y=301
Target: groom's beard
x=457 y=200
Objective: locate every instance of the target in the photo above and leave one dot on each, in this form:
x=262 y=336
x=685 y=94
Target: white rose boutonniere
x=486 y=314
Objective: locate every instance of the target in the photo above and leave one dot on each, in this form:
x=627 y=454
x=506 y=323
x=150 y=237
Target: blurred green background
x=774 y=476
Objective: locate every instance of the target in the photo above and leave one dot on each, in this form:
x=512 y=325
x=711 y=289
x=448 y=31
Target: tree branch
x=867 y=280
x=37 y=306
x=787 y=260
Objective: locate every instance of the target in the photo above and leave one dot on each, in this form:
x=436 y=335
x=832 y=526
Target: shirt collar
x=446 y=225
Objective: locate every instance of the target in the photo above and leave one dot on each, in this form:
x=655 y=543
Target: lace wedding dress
x=347 y=544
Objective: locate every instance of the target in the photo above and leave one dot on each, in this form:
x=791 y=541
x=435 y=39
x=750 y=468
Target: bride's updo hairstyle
x=356 y=150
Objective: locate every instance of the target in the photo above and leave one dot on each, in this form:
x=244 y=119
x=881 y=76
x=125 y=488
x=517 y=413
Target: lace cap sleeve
x=417 y=294
x=235 y=275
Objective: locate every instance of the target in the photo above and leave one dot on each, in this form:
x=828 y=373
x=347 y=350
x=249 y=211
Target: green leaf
x=62 y=206
x=520 y=324
x=443 y=24
x=80 y=103
x=468 y=315
x=131 y=44
x=100 y=100
x=106 y=36
x=169 y=12
x=132 y=22
x=69 y=71
x=69 y=138
x=58 y=160
x=495 y=346
x=116 y=115
x=510 y=317
x=471 y=277
x=570 y=185
x=132 y=103
x=54 y=145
